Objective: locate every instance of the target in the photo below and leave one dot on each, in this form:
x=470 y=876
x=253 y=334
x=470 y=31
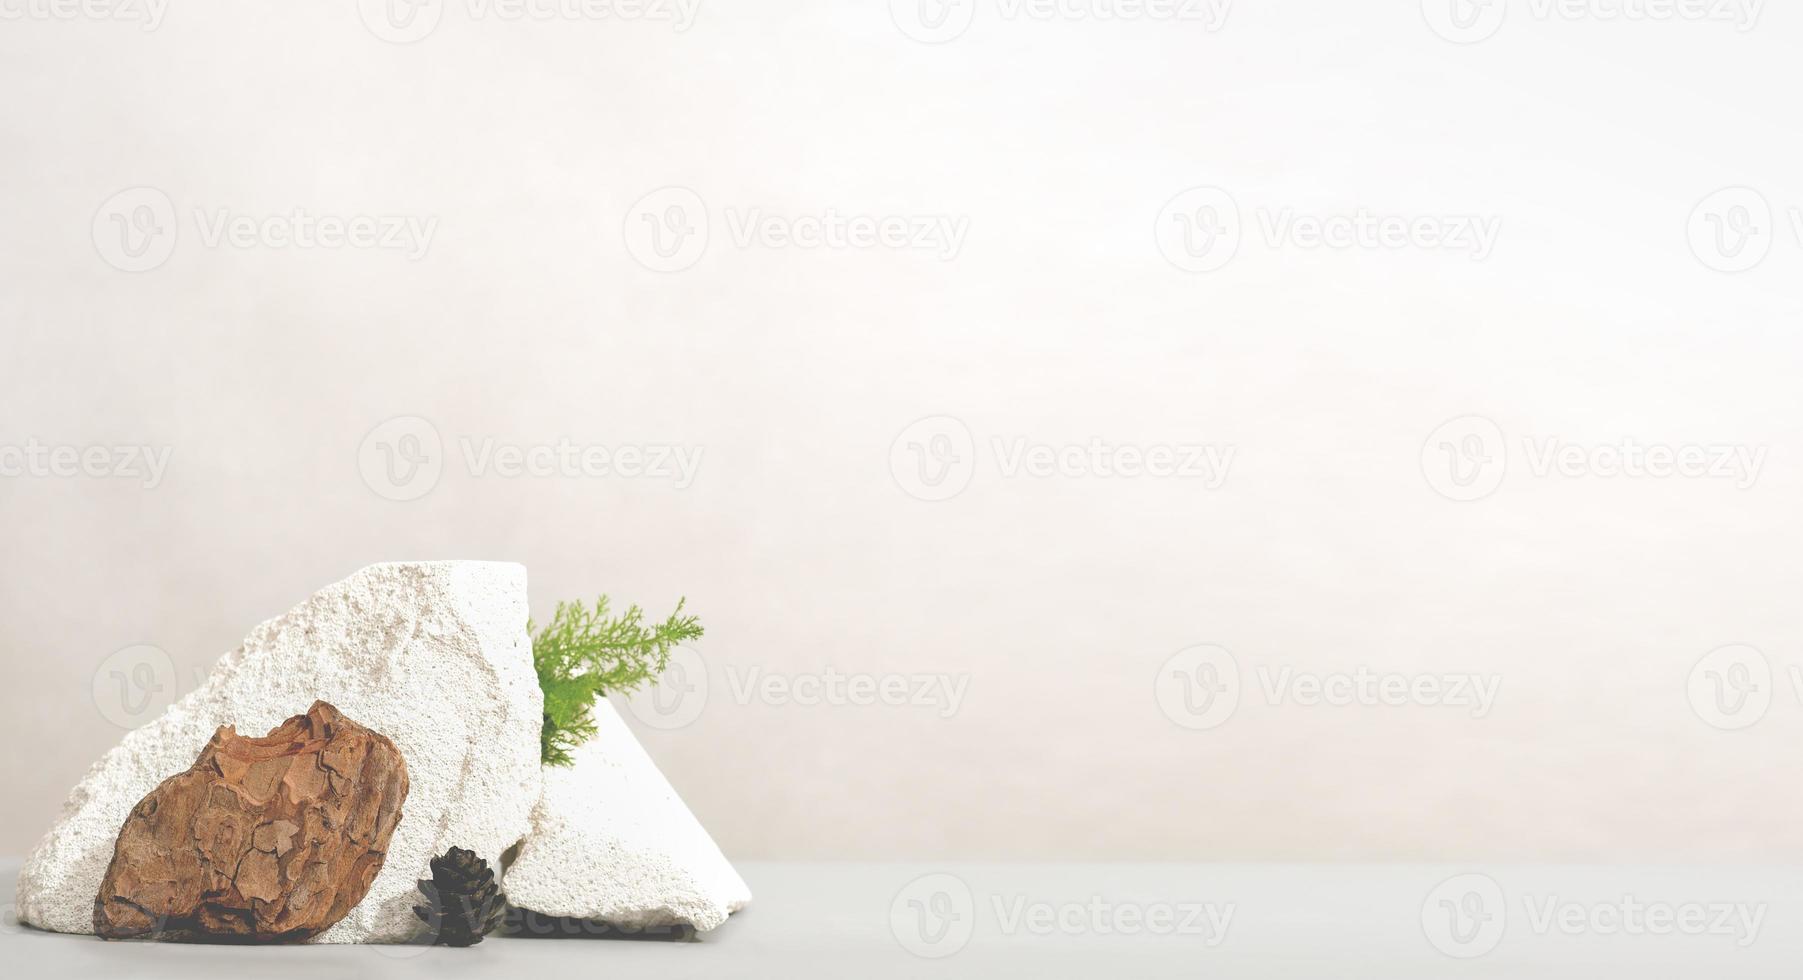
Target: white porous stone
x=612 y=841
x=433 y=655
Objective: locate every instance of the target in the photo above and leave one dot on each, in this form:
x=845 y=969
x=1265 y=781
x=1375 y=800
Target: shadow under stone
x=526 y=924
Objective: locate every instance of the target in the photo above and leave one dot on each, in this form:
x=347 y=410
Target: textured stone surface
x=434 y=655
x=269 y=839
x=612 y=841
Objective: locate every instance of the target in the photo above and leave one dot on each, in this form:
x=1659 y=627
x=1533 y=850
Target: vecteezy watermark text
x=38 y=460
x=936 y=458
x=685 y=687
x=300 y=228
x=148 y=14
x=937 y=915
x=1471 y=21
x=407 y=21
x=404 y=458
x=1467 y=458
x=1201 y=230
x=1467 y=916
x=136 y=230
x=564 y=458
x=669 y=230
x=943 y=693
x=1200 y=688
x=939 y=21
x=938 y=234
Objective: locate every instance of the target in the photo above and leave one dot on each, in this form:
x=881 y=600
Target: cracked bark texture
x=268 y=839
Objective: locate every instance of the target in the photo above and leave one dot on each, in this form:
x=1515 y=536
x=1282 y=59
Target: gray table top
x=1097 y=920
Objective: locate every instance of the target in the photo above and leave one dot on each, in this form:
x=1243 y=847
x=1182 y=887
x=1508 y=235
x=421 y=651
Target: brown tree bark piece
x=267 y=839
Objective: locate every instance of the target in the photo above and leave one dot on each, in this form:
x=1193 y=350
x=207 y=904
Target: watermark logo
x=1465 y=916
x=134 y=685
x=1465 y=21
x=1465 y=459
x=401 y=21
x=667 y=229
x=1198 y=687
x=933 y=21
x=1471 y=21
x=1730 y=688
x=678 y=695
x=402 y=459
x=935 y=459
x=135 y=229
x=1201 y=230
x=1198 y=230
x=1731 y=230
x=933 y=916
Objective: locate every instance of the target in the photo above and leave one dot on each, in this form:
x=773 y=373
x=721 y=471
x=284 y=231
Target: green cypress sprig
x=585 y=652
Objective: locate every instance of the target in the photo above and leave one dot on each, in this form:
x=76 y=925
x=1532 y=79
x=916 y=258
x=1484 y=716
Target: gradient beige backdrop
x=555 y=162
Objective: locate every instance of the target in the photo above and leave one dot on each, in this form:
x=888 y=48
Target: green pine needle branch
x=585 y=652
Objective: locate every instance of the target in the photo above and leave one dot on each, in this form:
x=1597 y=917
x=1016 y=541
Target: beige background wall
x=540 y=310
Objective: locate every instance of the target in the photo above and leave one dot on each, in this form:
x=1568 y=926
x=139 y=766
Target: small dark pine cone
x=462 y=901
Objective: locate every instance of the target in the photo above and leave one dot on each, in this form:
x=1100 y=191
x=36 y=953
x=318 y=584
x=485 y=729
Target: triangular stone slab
x=611 y=841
